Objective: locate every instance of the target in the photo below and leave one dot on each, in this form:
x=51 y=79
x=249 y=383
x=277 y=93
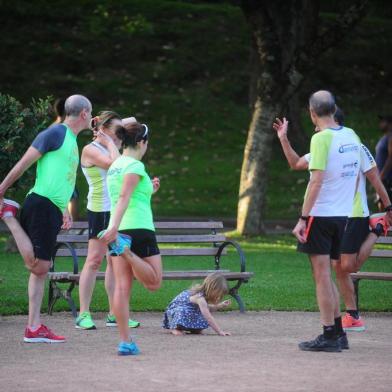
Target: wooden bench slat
x=381 y=253
x=82 y=252
x=384 y=240
x=161 y=238
x=373 y=275
x=168 y=225
x=190 y=238
x=181 y=238
x=203 y=274
x=167 y=275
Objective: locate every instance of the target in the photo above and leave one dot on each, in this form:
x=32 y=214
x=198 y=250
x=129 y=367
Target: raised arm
x=92 y=157
x=295 y=161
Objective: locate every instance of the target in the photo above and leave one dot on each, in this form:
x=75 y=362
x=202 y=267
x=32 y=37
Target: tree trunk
x=298 y=137
x=285 y=45
x=257 y=155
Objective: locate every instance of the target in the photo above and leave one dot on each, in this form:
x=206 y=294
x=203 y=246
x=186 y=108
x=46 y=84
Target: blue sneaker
x=117 y=248
x=128 y=348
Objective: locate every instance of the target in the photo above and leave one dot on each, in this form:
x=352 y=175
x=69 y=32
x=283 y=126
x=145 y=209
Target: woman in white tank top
x=96 y=158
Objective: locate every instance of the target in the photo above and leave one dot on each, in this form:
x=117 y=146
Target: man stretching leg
x=45 y=209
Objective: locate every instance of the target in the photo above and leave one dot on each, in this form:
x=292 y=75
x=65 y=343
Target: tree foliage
x=18 y=127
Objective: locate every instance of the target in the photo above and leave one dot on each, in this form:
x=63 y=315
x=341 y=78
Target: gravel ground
x=261 y=355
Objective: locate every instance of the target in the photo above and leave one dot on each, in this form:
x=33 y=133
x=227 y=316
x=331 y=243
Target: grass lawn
x=282 y=281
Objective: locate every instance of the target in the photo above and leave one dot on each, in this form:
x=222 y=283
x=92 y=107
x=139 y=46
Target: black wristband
x=389 y=208
x=304 y=218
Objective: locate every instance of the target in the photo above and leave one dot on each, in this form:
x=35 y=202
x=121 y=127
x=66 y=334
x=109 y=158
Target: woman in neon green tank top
x=130 y=189
x=95 y=161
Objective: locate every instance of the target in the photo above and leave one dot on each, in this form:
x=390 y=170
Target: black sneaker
x=343 y=341
x=321 y=343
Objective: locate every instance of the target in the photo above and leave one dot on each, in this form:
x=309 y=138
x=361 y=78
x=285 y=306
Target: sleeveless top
x=98 y=196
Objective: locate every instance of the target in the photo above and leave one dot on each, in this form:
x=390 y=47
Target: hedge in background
x=18 y=127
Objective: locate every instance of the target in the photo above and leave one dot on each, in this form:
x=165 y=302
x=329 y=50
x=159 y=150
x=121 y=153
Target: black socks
x=333 y=331
x=353 y=313
x=329 y=331
x=338 y=326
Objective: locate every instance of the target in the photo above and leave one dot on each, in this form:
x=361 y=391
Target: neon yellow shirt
x=138 y=214
x=56 y=169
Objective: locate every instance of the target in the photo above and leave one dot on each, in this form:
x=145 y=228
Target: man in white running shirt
x=358 y=241
x=334 y=165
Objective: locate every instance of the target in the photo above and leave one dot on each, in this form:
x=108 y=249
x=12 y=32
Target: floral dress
x=184 y=314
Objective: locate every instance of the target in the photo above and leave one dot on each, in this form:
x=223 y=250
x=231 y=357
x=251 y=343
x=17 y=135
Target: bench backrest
x=174 y=238
x=384 y=253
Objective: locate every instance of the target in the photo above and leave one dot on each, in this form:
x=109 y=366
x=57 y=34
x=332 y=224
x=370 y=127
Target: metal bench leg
x=356 y=289
x=234 y=293
x=71 y=303
x=54 y=295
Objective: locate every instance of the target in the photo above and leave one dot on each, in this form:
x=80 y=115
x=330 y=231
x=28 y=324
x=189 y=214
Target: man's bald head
x=75 y=104
x=322 y=103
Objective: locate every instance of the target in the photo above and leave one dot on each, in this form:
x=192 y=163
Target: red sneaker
x=10 y=208
x=379 y=219
x=42 y=335
x=351 y=324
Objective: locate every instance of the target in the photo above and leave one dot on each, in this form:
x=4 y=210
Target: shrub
x=18 y=127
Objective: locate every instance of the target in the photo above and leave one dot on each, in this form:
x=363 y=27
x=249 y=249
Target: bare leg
x=123 y=277
x=38 y=268
x=36 y=292
x=23 y=242
x=147 y=271
x=96 y=251
x=109 y=282
x=324 y=288
x=364 y=251
x=345 y=283
x=354 y=262
x=336 y=296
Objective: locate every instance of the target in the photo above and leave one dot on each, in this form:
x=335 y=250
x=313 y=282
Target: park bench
x=174 y=238
x=382 y=253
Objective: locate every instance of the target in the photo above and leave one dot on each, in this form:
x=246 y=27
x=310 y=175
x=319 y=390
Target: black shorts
x=355 y=234
x=324 y=236
x=144 y=242
x=42 y=221
x=97 y=221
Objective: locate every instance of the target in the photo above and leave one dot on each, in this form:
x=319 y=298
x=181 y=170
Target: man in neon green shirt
x=45 y=209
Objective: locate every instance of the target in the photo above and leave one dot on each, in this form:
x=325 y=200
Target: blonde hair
x=214 y=288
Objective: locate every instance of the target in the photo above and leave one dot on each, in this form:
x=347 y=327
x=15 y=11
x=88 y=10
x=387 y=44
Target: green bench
x=174 y=238
x=385 y=276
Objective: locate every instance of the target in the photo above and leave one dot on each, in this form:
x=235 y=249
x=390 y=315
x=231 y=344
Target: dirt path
x=262 y=355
